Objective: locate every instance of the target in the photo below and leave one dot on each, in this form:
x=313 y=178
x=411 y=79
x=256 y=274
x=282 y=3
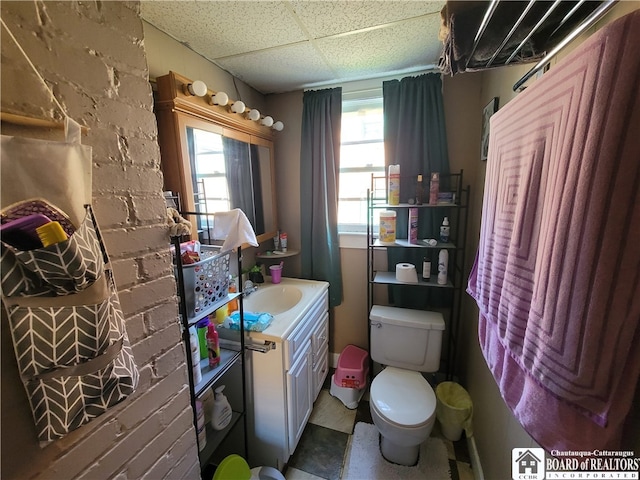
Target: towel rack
x=482 y=35
x=25 y=121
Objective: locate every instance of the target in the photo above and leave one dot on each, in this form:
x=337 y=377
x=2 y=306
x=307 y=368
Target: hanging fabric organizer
x=66 y=322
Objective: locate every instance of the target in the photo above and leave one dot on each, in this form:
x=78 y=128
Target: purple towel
x=557 y=277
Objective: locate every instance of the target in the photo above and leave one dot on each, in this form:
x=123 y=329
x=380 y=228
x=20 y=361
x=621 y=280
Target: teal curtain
x=415 y=138
x=319 y=174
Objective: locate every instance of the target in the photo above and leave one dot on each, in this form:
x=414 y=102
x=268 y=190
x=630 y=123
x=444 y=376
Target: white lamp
x=238 y=106
x=253 y=115
x=219 y=98
x=197 y=89
x=278 y=126
x=267 y=121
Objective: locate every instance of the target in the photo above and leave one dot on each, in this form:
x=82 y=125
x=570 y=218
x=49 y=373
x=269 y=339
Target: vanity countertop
x=284 y=323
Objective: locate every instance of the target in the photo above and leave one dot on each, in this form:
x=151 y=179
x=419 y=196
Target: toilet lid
x=403 y=397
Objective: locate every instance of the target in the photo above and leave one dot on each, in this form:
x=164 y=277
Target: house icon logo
x=527 y=464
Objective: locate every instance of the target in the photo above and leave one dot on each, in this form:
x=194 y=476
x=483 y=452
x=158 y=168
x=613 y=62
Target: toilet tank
x=405 y=338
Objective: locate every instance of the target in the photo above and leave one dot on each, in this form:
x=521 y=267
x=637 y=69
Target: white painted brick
x=156 y=264
x=181 y=461
x=127 y=118
x=170 y=360
x=149 y=347
x=126 y=272
x=136 y=329
x=152 y=399
x=160 y=317
x=147 y=209
x=145 y=295
x=163 y=444
x=121 y=242
x=111 y=210
x=81 y=457
x=120 y=179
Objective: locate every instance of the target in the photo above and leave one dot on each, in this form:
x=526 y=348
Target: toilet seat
x=403 y=398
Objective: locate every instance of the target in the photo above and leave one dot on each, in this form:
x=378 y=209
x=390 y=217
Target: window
x=361 y=154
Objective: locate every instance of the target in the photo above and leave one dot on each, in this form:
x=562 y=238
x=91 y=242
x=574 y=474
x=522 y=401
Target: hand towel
x=234 y=228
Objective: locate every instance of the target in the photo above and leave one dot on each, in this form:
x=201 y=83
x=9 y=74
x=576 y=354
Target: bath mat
x=364 y=460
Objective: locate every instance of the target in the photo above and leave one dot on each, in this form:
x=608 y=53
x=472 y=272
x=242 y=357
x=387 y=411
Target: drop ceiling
x=280 y=46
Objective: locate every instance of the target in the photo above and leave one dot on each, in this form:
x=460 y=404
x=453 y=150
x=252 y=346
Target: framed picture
x=490 y=109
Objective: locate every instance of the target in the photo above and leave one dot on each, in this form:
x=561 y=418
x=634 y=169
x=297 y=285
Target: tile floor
x=321 y=451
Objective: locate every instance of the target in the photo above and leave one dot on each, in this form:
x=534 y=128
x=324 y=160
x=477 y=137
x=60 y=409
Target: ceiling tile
x=221 y=28
x=324 y=18
x=281 y=69
x=412 y=45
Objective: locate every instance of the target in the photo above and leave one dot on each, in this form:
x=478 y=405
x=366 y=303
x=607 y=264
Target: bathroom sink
x=273 y=299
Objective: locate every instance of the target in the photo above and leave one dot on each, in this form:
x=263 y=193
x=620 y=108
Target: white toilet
x=403 y=404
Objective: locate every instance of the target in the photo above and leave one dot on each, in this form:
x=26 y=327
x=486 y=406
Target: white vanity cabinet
x=285 y=381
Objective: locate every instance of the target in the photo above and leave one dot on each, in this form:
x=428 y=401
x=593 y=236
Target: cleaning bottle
x=444 y=230
x=443 y=261
x=394 y=185
x=202 y=328
x=221 y=410
x=213 y=346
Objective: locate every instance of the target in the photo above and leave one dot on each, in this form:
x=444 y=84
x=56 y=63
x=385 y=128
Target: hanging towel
x=234 y=228
x=556 y=277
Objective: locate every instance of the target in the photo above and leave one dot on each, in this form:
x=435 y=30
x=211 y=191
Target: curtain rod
x=26 y=121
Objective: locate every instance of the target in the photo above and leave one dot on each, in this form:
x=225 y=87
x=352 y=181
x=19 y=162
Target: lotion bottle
x=221 y=410
x=444 y=230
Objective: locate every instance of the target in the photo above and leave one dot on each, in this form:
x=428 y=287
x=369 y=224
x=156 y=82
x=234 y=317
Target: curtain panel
x=414 y=138
x=319 y=175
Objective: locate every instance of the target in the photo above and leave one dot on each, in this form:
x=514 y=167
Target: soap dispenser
x=221 y=410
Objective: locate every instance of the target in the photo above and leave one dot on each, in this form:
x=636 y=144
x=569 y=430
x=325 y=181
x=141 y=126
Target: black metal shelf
x=231 y=354
x=459 y=212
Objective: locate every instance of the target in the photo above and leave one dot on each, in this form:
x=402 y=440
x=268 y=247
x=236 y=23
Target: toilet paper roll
x=406 y=272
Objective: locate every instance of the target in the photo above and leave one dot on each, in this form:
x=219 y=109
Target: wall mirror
x=215 y=160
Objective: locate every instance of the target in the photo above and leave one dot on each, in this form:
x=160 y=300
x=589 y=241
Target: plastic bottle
x=444 y=230
x=221 y=410
x=443 y=263
x=283 y=241
x=426 y=268
x=434 y=188
x=222 y=313
x=233 y=304
x=202 y=327
x=419 y=190
x=213 y=346
x=202 y=431
x=394 y=185
x=195 y=355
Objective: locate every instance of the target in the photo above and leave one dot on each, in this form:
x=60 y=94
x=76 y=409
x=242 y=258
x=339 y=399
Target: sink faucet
x=249 y=288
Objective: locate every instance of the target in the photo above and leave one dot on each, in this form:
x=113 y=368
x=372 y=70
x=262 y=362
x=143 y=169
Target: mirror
x=214 y=160
x=228 y=173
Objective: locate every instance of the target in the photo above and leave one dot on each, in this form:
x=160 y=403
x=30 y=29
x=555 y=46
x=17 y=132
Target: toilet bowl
x=403 y=408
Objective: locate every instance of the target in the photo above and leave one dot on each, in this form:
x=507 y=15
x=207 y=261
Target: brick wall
x=92 y=54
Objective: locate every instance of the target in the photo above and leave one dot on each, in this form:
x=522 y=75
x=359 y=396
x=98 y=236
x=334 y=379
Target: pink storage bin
x=353 y=367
